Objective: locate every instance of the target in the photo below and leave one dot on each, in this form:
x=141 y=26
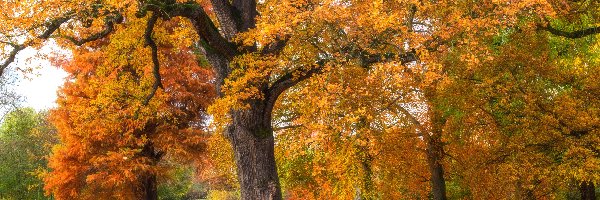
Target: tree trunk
x=149 y=184
x=434 y=159
x=588 y=190
x=148 y=181
x=366 y=163
x=251 y=136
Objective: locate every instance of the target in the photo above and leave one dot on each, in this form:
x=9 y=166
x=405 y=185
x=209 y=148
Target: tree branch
x=204 y=26
x=405 y=58
x=109 y=23
x=11 y=57
x=156 y=68
x=571 y=35
x=228 y=17
x=275 y=47
x=286 y=81
x=290 y=79
x=287 y=127
x=414 y=121
x=247 y=11
x=51 y=27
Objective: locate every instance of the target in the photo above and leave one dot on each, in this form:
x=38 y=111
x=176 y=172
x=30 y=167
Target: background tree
x=26 y=138
x=116 y=121
x=9 y=100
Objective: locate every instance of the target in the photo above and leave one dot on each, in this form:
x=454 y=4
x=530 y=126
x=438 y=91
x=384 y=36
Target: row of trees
x=325 y=99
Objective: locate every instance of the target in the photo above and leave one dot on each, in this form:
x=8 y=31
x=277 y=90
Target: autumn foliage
x=323 y=99
x=111 y=141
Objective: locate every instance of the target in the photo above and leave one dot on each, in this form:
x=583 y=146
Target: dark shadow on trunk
x=148 y=181
x=149 y=186
x=587 y=190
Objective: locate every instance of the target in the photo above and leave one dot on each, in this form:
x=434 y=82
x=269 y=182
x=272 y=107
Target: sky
x=39 y=87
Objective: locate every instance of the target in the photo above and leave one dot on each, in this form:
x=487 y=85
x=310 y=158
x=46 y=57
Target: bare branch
x=52 y=26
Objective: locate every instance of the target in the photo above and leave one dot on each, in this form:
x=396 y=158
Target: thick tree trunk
x=588 y=191
x=251 y=137
x=253 y=144
x=434 y=159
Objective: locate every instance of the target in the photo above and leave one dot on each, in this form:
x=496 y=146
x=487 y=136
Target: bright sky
x=39 y=88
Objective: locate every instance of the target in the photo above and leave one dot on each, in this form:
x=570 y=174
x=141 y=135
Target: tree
x=445 y=109
x=348 y=139
x=113 y=132
x=9 y=100
x=256 y=57
x=26 y=138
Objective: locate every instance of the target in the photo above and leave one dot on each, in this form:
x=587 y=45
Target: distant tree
x=9 y=99
x=26 y=139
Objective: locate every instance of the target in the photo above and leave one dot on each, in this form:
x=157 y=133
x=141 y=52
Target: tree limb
x=290 y=79
x=51 y=27
x=156 y=68
x=405 y=58
x=205 y=28
x=247 y=11
x=11 y=57
x=109 y=23
x=228 y=17
x=287 y=127
x=414 y=121
x=275 y=47
x=573 y=34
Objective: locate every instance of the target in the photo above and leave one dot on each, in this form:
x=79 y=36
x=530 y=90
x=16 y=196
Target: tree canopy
x=325 y=98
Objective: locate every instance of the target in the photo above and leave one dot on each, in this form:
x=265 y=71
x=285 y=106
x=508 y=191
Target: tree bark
x=149 y=187
x=588 y=190
x=367 y=189
x=434 y=159
x=148 y=181
x=251 y=136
